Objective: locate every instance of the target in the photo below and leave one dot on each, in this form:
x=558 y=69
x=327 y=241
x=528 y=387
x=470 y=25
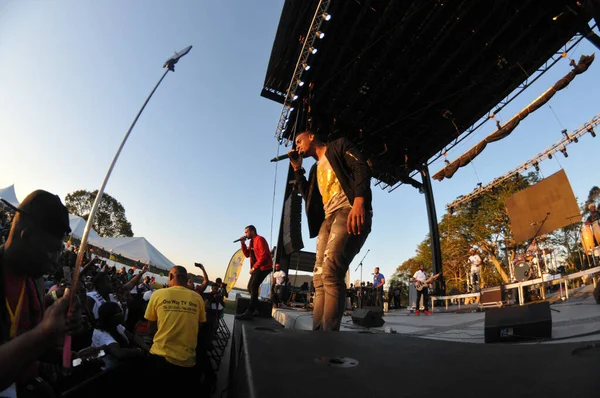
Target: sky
x=196 y=168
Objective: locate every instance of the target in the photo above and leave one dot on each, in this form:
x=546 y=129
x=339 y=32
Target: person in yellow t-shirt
x=174 y=315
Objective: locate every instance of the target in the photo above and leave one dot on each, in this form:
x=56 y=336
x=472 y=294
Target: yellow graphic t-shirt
x=178 y=312
x=332 y=192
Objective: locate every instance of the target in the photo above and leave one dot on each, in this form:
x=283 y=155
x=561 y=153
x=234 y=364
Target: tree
x=110 y=220
x=484 y=223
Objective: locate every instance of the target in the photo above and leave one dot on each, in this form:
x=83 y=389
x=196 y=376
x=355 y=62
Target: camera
x=198 y=265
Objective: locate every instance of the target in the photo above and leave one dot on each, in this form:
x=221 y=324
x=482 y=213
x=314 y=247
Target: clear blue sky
x=195 y=170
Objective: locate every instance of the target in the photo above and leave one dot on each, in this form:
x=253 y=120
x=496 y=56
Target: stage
x=412 y=356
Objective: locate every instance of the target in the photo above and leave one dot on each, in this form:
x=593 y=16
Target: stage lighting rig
x=308 y=49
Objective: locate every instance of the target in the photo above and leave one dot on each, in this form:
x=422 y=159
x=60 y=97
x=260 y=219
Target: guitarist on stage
x=420 y=278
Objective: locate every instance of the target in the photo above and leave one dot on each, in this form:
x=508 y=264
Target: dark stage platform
x=269 y=361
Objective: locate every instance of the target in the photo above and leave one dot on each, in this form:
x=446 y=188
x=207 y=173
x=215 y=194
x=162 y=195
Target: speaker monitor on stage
x=265 y=308
x=367 y=318
x=491 y=295
x=527 y=322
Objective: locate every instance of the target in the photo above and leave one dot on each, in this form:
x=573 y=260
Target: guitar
x=420 y=285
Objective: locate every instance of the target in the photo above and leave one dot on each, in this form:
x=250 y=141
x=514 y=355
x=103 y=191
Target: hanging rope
x=556 y=116
x=475 y=171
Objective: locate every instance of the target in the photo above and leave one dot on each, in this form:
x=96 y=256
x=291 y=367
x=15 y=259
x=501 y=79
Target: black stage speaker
x=292 y=224
x=375 y=309
x=525 y=322
x=265 y=308
x=367 y=318
x=336 y=362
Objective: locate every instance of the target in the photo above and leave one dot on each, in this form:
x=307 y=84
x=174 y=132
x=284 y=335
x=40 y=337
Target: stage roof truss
x=529 y=80
x=559 y=146
x=308 y=46
x=492 y=115
x=407 y=80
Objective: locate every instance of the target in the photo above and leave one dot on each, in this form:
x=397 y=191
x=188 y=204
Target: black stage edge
x=269 y=361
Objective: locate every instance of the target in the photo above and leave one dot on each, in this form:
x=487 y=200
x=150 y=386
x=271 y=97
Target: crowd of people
x=109 y=311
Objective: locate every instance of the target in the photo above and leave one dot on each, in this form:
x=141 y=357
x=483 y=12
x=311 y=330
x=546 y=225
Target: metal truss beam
x=307 y=47
x=574 y=41
x=514 y=94
x=561 y=145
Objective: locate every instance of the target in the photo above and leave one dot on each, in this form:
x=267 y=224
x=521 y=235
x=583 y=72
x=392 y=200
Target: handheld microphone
x=284 y=156
x=237 y=240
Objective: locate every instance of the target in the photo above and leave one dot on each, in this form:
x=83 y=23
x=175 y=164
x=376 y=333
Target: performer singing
x=261 y=264
x=378 y=282
x=338 y=208
x=419 y=278
x=475 y=261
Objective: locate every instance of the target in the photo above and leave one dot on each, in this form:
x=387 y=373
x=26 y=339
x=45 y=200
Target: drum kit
x=534 y=262
x=590 y=234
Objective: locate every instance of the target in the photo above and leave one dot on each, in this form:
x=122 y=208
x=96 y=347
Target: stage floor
x=573 y=320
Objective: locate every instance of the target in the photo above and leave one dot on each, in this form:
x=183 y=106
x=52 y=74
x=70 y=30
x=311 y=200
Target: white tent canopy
x=77 y=225
x=9 y=195
x=136 y=248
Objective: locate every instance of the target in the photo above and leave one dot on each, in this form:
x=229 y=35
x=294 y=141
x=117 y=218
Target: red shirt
x=259 y=253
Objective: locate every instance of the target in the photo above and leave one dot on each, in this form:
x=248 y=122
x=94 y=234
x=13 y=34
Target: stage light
x=590 y=129
x=305 y=66
x=326 y=16
x=300 y=83
x=564 y=152
x=537 y=166
x=564 y=132
x=313 y=50
x=292 y=109
x=549 y=156
x=295 y=97
x=320 y=34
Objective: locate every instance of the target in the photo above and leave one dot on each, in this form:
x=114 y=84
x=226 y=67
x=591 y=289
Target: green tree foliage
x=110 y=220
x=482 y=223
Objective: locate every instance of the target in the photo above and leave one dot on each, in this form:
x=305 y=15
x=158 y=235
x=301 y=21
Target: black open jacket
x=352 y=172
